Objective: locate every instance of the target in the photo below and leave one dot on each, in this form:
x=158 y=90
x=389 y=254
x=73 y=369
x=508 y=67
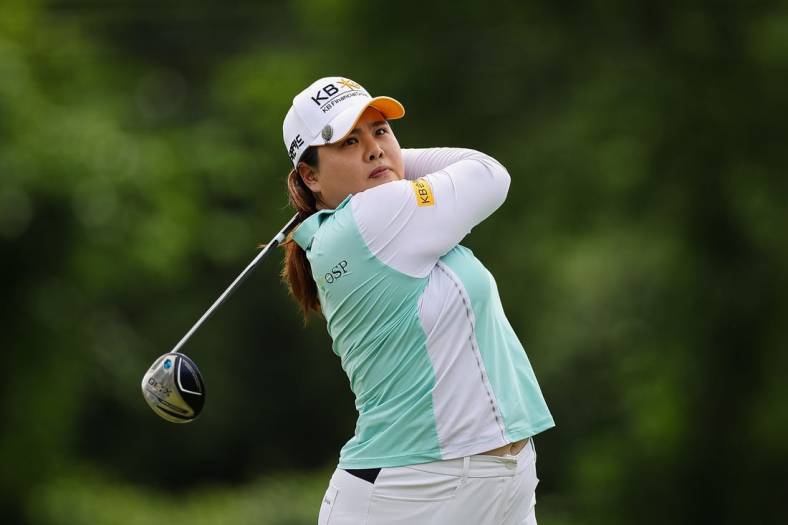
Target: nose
x=373 y=150
x=374 y=156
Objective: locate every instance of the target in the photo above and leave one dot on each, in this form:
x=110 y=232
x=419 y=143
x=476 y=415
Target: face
x=369 y=156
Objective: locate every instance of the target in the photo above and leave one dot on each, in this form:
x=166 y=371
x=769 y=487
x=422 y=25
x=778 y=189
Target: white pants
x=474 y=490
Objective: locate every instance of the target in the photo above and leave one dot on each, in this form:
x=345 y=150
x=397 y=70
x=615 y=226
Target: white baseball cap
x=326 y=112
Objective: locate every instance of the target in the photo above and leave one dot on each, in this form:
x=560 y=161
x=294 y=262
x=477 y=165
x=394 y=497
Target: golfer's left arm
x=410 y=224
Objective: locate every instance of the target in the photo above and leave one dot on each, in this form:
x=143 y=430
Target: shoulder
x=382 y=194
x=336 y=232
x=383 y=202
x=382 y=207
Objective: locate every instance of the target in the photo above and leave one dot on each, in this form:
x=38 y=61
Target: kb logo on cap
x=325 y=94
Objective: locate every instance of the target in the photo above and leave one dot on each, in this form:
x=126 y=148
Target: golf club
x=173 y=386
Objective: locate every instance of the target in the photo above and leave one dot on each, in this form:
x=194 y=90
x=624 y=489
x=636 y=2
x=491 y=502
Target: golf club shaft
x=276 y=241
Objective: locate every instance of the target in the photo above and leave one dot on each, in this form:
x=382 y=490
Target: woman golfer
x=447 y=400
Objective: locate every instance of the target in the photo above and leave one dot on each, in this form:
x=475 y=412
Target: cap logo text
x=330 y=95
x=294 y=146
x=329 y=91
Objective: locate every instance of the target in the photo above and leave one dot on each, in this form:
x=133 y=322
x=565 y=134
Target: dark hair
x=297 y=272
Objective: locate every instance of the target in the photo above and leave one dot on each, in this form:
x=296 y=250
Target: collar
x=305 y=232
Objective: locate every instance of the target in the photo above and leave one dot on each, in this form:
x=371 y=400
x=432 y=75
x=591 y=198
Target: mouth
x=378 y=172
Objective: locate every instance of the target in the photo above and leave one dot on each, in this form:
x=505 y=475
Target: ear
x=310 y=176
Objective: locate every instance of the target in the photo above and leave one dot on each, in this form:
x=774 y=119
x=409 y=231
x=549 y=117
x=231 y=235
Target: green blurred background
x=641 y=254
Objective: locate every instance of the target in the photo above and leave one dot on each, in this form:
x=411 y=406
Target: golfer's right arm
x=410 y=224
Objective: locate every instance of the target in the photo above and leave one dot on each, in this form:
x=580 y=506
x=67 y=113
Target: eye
x=382 y=130
x=350 y=141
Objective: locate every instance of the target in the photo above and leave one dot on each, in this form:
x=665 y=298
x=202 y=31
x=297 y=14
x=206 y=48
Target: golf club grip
x=276 y=241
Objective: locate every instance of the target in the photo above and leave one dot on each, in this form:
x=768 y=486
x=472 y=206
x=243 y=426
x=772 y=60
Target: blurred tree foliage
x=641 y=254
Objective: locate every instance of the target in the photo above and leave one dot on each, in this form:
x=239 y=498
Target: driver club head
x=173 y=387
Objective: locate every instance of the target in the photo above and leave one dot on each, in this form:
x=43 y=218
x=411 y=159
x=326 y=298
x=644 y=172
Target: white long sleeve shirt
x=435 y=366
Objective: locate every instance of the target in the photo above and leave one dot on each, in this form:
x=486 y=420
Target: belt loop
x=466 y=467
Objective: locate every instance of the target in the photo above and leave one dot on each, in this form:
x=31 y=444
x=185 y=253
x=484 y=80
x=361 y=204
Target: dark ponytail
x=297 y=272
